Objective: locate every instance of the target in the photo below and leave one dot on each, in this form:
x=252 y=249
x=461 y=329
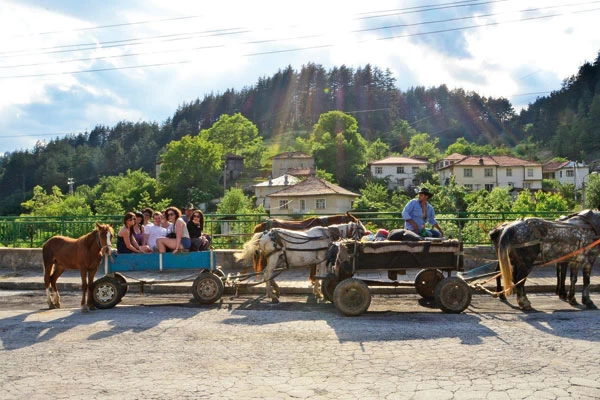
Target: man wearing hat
x=417 y=212
x=188 y=210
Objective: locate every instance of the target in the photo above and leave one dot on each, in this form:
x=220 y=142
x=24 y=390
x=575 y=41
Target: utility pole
x=70 y=181
x=225 y=177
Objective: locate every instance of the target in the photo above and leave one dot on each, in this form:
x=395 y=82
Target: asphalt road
x=168 y=346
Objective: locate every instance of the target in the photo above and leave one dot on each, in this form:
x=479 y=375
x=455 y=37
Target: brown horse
x=84 y=254
x=259 y=262
x=304 y=224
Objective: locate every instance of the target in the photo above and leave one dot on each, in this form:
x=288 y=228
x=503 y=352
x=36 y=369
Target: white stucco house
x=401 y=171
x=312 y=195
x=488 y=172
x=566 y=172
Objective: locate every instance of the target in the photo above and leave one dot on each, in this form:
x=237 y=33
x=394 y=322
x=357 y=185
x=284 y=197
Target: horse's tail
x=249 y=250
x=506 y=268
x=259 y=261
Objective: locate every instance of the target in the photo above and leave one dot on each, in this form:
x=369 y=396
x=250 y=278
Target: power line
x=225 y=31
x=292 y=49
x=107 y=26
x=431 y=7
x=230 y=31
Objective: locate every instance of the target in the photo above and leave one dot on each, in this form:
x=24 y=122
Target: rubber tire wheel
x=352 y=297
x=124 y=285
x=106 y=292
x=328 y=287
x=207 y=288
x=426 y=281
x=453 y=295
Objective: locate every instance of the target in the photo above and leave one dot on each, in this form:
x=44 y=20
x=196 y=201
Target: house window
x=508 y=171
x=400 y=182
x=302 y=205
x=468 y=186
x=320 y=204
x=569 y=173
x=399 y=170
x=415 y=170
x=468 y=172
x=530 y=172
x=489 y=187
x=488 y=172
x=526 y=185
x=283 y=204
x=378 y=170
x=560 y=174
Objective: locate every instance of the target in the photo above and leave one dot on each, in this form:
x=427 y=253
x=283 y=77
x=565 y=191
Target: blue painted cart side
x=160 y=261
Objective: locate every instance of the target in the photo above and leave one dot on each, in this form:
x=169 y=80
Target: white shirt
x=154 y=232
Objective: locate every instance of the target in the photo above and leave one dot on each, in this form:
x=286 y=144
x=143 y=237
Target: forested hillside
x=290 y=103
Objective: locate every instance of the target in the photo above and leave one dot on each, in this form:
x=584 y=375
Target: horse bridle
x=99 y=243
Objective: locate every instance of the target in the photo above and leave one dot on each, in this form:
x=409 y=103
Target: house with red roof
x=488 y=172
x=312 y=195
x=566 y=172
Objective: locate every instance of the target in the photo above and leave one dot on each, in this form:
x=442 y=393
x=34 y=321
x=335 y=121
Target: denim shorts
x=186 y=242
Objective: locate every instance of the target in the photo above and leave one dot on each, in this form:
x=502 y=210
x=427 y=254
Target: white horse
x=295 y=249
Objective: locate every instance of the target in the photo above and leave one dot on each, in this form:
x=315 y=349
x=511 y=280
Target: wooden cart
x=436 y=260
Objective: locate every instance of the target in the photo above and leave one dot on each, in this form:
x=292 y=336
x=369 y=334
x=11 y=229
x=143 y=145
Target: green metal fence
x=231 y=231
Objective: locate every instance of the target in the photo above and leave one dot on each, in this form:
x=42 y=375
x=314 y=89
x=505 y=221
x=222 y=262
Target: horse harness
x=539 y=241
x=99 y=243
x=278 y=244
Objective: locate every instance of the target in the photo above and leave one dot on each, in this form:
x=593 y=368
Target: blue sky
x=67 y=66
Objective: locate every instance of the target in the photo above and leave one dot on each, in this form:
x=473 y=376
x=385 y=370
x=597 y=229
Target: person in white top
x=154 y=231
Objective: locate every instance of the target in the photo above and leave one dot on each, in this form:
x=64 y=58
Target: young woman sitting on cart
x=126 y=242
x=180 y=237
x=195 y=226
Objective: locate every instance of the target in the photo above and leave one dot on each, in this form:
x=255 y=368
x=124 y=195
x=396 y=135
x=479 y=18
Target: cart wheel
x=453 y=295
x=105 y=292
x=124 y=286
x=426 y=282
x=352 y=297
x=207 y=288
x=328 y=287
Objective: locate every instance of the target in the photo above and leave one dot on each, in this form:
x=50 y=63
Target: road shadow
x=374 y=326
x=29 y=328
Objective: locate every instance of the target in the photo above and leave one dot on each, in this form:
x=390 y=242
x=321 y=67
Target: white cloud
x=499 y=60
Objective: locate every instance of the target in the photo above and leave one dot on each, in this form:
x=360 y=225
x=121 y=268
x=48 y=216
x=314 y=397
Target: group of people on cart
x=168 y=230
x=171 y=230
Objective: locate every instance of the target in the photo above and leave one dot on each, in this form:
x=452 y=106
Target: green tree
x=592 y=191
x=235 y=202
x=238 y=135
x=460 y=146
x=550 y=202
x=124 y=192
x=422 y=145
x=374 y=197
x=338 y=148
x=377 y=150
x=191 y=162
x=524 y=203
x=56 y=203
